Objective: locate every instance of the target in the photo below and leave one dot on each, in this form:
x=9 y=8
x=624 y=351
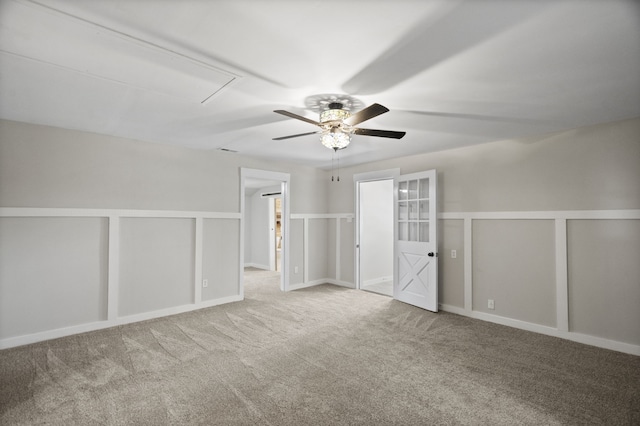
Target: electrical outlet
x=295 y=270
x=454 y=254
x=491 y=304
x=205 y=283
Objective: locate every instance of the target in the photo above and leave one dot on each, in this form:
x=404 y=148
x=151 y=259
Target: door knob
x=432 y=254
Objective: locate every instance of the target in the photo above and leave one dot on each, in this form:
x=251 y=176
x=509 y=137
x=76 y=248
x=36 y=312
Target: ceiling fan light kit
x=335 y=133
x=335 y=139
x=337 y=125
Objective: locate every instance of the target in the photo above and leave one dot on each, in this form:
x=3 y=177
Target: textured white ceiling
x=453 y=73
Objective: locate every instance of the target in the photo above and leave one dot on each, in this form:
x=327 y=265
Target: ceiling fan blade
x=380 y=133
x=296 y=116
x=366 y=114
x=294 y=136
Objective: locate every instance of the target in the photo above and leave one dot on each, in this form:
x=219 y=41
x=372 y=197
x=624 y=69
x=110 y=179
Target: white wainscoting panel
x=581 y=329
x=339 y=270
x=88 y=269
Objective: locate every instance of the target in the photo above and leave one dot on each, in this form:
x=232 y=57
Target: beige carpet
x=323 y=355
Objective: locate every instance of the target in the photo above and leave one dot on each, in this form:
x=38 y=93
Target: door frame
x=285 y=180
x=369 y=177
x=273 y=231
x=273 y=258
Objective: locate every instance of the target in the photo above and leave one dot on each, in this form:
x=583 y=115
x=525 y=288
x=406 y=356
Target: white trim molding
x=560 y=218
x=285 y=181
x=65 y=212
x=546 y=214
x=306 y=218
x=114 y=218
x=549 y=331
x=11 y=342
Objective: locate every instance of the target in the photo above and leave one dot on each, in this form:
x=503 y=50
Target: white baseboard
x=257 y=265
x=304 y=285
x=319 y=282
x=27 y=339
x=377 y=280
x=549 y=331
x=174 y=310
x=340 y=283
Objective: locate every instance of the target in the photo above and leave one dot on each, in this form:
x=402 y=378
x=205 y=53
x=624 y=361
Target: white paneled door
x=416 y=257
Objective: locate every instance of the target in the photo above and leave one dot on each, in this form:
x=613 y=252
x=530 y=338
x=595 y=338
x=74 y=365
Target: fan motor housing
x=334 y=115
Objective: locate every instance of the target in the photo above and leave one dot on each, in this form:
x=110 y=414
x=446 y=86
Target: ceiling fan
x=337 y=125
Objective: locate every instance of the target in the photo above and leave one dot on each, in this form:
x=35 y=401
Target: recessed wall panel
x=296 y=252
x=331 y=248
x=514 y=265
x=318 y=250
x=451 y=270
x=156 y=264
x=220 y=258
x=53 y=273
x=347 y=251
x=604 y=284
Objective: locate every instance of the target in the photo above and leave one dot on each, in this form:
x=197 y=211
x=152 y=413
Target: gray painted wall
x=65 y=259
x=296 y=242
x=604 y=278
x=450 y=270
x=591 y=168
x=586 y=169
x=53 y=273
x=594 y=168
x=44 y=166
x=514 y=265
x=318 y=232
x=156 y=264
x=347 y=254
x=220 y=248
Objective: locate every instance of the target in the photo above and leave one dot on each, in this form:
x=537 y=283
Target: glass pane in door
x=424 y=210
x=413 y=189
x=413 y=231
x=424 y=188
x=403 y=210
x=413 y=210
x=402 y=190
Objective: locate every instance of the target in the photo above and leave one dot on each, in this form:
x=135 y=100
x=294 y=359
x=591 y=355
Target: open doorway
x=375 y=230
x=375 y=227
x=273 y=197
x=265 y=214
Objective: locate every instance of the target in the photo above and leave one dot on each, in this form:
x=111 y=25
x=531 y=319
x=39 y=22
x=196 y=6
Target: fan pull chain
x=332 y=158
